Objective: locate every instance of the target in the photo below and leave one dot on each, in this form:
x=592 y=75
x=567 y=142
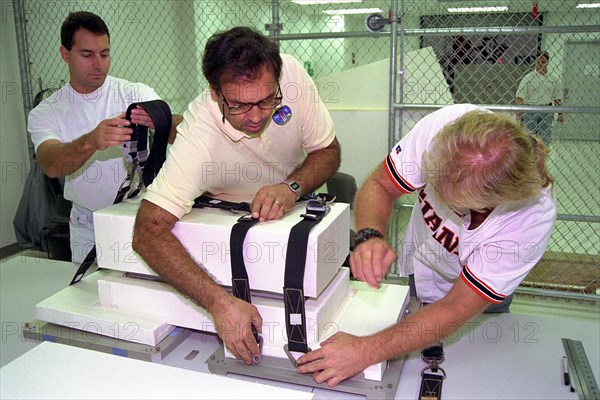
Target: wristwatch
x=365 y=234
x=294 y=187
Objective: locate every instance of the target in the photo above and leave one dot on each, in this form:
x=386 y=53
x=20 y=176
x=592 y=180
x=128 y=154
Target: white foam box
x=77 y=307
x=205 y=233
x=143 y=311
x=157 y=300
x=351 y=307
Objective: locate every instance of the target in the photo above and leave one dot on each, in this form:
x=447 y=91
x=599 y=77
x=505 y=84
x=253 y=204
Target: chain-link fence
x=481 y=58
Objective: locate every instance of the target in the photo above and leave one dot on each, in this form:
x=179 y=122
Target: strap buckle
x=434 y=370
x=293 y=359
x=325 y=197
x=433 y=357
x=246 y=218
x=317 y=208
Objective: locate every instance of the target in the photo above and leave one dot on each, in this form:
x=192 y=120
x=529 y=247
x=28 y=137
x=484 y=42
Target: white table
x=24 y=282
x=58 y=371
x=507 y=356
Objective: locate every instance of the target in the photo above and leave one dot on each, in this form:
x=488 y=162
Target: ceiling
x=424 y=7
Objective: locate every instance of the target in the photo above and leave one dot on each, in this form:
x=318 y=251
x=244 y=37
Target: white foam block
x=346 y=306
x=145 y=311
x=56 y=371
x=368 y=311
x=206 y=234
x=78 y=307
x=159 y=300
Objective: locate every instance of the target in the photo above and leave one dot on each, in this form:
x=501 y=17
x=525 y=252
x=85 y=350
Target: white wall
x=554 y=43
x=13 y=149
x=363 y=137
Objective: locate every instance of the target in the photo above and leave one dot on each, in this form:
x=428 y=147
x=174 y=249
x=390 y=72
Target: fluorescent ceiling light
x=477 y=9
x=309 y=2
x=353 y=11
x=588 y=5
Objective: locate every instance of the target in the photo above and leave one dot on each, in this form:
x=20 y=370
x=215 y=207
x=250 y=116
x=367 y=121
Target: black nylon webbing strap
x=239 y=275
x=431 y=382
x=240 y=283
x=135 y=152
x=209 y=202
x=161 y=116
x=293 y=287
x=431 y=386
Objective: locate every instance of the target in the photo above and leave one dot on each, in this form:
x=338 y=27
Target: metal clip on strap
x=431 y=382
x=290 y=356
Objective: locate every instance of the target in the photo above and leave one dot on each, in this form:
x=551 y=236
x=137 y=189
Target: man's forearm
x=428 y=326
x=374 y=202
x=154 y=241
x=317 y=168
x=60 y=159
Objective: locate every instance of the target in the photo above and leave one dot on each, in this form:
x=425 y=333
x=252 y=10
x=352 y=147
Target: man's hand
x=110 y=132
x=271 y=202
x=371 y=260
x=233 y=320
x=139 y=116
x=340 y=357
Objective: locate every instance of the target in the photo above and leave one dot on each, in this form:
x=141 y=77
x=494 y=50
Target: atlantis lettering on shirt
x=440 y=232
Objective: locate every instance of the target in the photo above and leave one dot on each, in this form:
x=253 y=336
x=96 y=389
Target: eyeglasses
x=265 y=104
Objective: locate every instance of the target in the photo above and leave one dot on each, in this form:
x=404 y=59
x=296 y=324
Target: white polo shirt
x=539 y=90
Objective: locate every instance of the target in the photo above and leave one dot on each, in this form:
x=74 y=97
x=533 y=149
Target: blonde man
x=482 y=220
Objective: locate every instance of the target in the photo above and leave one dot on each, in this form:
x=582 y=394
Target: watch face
x=295 y=186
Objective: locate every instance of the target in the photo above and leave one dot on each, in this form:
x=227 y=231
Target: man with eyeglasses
x=539 y=88
x=259 y=134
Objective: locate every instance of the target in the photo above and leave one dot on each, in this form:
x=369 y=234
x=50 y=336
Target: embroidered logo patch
x=282 y=115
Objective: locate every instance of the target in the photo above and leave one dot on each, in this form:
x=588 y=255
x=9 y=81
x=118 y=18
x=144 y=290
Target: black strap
x=240 y=284
x=209 y=202
x=431 y=382
x=293 y=287
x=160 y=114
x=135 y=152
x=239 y=276
x=85 y=265
x=431 y=386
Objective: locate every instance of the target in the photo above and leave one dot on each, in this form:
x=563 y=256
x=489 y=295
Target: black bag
x=42 y=218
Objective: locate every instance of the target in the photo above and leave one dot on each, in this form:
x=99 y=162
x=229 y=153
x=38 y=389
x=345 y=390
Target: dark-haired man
x=76 y=132
x=538 y=88
x=258 y=134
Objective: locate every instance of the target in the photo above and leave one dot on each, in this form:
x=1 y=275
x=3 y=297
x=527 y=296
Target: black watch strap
x=365 y=234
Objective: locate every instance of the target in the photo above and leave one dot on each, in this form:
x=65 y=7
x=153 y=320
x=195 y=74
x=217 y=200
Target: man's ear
x=64 y=53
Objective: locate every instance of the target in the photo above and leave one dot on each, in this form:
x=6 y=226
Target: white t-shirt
x=539 y=90
x=67 y=115
x=492 y=259
x=212 y=157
